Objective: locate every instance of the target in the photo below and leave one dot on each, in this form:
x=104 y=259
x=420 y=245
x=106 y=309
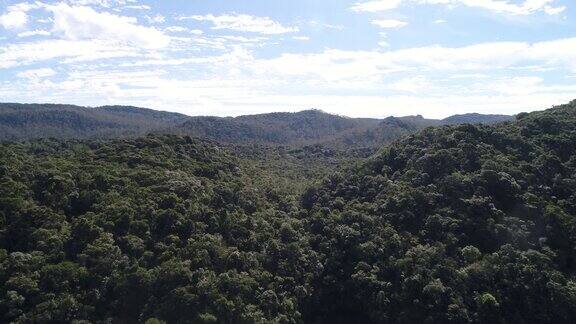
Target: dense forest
x=465 y=223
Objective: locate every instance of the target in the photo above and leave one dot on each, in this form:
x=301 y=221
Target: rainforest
x=124 y=215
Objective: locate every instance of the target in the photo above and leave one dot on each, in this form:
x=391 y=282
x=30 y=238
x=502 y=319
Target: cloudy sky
x=358 y=58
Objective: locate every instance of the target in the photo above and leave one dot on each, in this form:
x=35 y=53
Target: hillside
x=453 y=224
x=301 y=128
x=19 y=121
x=311 y=127
x=475 y=119
x=308 y=127
x=127 y=230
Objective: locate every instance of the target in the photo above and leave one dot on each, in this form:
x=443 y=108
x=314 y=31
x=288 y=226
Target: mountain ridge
x=307 y=127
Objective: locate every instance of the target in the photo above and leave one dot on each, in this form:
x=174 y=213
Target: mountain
x=385 y=131
x=20 y=121
x=316 y=127
x=305 y=127
x=308 y=127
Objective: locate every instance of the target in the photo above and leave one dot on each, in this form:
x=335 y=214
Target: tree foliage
x=456 y=224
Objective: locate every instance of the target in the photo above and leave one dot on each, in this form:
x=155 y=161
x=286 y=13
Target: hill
x=127 y=230
x=476 y=119
x=308 y=127
x=453 y=225
x=302 y=128
x=19 y=121
x=311 y=127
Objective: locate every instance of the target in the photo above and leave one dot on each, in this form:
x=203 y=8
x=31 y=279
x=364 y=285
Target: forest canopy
x=454 y=224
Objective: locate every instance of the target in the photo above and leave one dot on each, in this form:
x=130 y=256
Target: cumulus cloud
x=245 y=23
x=13 y=19
x=16 y=16
x=85 y=23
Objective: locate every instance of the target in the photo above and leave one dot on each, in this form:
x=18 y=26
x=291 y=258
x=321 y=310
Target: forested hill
x=303 y=128
x=475 y=119
x=158 y=227
x=306 y=127
x=316 y=127
x=18 y=121
x=455 y=224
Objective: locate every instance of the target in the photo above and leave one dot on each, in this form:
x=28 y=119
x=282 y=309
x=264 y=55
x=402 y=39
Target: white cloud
x=319 y=25
x=156 y=19
x=243 y=39
x=69 y=51
x=383 y=43
x=527 y=7
x=16 y=16
x=412 y=84
x=351 y=65
x=36 y=73
x=106 y=58
x=236 y=56
x=84 y=23
x=180 y=29
x=377 y=5
x=176 y=29
x=301 y=38
x=470 y=76
x=226 y=97
x=37 y=32
x=13 y=19
x=245 y=23
x=102 y=3
x=554 y=10
x=345 y=84
x=515 y=86
x=137 y=7
x=389 y=24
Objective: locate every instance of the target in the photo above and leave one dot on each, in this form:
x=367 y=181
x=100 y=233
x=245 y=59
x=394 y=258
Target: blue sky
x=350 y=57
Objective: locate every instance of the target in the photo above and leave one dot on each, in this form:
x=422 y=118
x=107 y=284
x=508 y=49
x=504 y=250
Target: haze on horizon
x=357 y=58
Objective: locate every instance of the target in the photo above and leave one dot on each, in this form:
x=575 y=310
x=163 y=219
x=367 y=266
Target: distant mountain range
x=18 y=121
x=26 y=121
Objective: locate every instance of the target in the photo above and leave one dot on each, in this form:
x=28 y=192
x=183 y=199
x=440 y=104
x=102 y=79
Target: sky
x=358 y=58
